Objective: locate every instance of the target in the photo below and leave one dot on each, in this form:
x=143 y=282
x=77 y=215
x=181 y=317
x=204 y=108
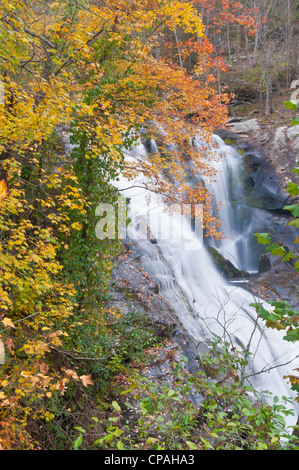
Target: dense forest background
x=79 y=80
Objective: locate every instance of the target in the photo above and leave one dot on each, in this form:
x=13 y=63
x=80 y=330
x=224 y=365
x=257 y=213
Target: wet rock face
x=227 y=269
x=279 y=146
x=264 y=263
x=266 y=192
x=262 y=183
x=276 y=285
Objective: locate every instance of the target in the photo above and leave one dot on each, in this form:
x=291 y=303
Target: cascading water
x=205 y=303
x=236 y=216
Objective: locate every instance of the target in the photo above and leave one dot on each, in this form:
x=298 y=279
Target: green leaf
x=99 y=441
x=116 y=406
x=206 y=443
x=279 y=251
x=187 y=419
x=290 y=104
x=293 y=189
x=263 y=313
x=80 y=429
x=294 y=209
x=261 y=446
x=295 y=121
x=77 y=442
x=294 y=223
x=263 y=238
x=288 y=256
x=292 y=335
x=151 y=440
x=191 y=445
x=248 y=412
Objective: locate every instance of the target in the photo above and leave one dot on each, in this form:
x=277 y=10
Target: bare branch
x=42 y=38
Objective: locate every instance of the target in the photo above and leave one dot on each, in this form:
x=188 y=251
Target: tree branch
x=71 y=59
x=42 y=38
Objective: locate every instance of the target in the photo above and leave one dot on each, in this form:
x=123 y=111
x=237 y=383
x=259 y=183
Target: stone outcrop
x=244 y=128
x=227 y=269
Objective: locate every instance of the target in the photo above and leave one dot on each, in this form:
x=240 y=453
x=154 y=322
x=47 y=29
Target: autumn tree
x=80 y=79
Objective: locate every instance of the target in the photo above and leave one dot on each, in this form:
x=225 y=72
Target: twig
x=42 y=38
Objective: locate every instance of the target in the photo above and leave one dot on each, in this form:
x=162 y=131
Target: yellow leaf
x=26 y=374
x=71 y=373
x=86 y=380
x=7 y=322
x=3 y=189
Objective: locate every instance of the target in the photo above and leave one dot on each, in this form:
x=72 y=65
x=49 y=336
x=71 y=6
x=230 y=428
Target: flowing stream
x=206 y=303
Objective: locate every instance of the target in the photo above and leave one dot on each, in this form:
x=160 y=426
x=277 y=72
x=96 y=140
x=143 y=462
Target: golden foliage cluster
x=89 y=63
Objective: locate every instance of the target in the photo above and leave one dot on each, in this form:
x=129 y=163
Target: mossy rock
x=226 y=267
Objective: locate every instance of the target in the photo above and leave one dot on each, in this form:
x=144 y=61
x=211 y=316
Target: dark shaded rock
x=268 y=262
x=226 y=267
x=264 y=263
x=267 y=192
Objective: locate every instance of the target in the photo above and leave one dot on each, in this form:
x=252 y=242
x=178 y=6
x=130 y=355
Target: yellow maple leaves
x=183 y=15
x=95 y=70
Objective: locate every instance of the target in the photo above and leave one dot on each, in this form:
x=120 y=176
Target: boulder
x=287 y=136
x=271 y=263
x=225 y=266
x=244 y=127
x=267 y=192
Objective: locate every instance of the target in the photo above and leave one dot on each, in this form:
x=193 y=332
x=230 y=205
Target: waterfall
x=205 y=303
x=237 y=218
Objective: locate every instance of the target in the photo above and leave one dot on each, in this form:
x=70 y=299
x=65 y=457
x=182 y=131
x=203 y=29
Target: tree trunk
x=179 y=50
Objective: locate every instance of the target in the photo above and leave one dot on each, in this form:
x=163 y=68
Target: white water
x=205 y=303
x=236 y=217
